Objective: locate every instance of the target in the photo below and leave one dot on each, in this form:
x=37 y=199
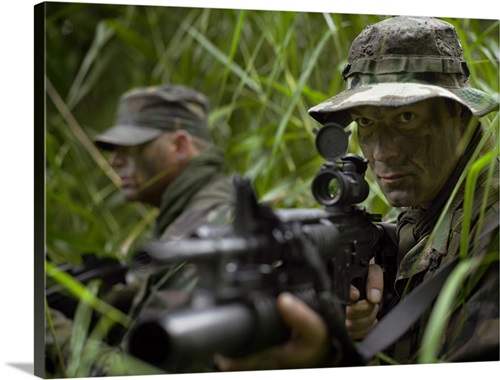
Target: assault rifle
x=109 y=270
x=313 y=253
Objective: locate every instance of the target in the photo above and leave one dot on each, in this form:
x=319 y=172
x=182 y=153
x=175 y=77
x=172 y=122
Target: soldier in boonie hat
x=404 y=60
x=408 y=93
x=145 y=113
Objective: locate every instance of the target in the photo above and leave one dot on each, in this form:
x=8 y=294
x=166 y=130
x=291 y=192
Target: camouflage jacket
x=472 y=333
x=165 y=287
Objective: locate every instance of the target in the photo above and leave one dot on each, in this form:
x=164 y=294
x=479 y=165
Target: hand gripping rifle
x=314 y=254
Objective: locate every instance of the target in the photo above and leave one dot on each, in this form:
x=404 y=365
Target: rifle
x=109 y=270
x=313 y=253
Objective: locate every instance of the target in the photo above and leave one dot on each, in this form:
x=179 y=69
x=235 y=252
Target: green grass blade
x=470 y=185
x=433 y=335
x=77 y=366
x=82 y=293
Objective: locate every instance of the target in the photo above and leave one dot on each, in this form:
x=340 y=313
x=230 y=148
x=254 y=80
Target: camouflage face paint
x=411 y=149
x=145 y=170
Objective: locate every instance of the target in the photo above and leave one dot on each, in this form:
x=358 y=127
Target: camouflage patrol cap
x=403 y=60
x=144 y=113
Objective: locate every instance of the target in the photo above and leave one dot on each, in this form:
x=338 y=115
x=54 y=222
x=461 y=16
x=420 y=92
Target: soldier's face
x=411 y=149
x=145 y=170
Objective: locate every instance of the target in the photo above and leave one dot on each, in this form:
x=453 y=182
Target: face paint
x=145 y=170
x=411 y=149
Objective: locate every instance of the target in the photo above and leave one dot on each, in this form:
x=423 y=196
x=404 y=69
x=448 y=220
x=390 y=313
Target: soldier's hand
x=361 y=316
x=309 y=345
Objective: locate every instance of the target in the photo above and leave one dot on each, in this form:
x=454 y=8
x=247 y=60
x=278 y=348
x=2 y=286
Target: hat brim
x=125 y=135
x=397 y=95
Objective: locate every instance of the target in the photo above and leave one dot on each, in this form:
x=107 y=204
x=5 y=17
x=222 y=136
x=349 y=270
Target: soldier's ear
x=455 y=110
x=183 y=145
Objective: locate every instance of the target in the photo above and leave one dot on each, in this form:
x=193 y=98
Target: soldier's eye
x=363 y=122
x=406 y=117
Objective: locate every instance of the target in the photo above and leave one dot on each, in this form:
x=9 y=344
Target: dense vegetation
x=262 y=71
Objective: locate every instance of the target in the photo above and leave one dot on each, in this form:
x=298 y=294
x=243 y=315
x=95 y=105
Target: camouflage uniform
x=397 y=62
x=472 y=333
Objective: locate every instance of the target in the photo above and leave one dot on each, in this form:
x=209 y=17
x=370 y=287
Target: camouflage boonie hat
x=404 y=60
x=144 y=113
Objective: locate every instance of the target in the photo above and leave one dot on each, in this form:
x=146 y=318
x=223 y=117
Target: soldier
x=161 y=150
x=162 y=153
x=408 y=93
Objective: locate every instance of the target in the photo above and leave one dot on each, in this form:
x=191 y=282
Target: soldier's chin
x=400 y=199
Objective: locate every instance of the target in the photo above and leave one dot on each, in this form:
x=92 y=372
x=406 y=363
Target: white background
x=16 y=215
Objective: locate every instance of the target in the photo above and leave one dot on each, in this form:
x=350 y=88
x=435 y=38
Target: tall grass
x=262 y=71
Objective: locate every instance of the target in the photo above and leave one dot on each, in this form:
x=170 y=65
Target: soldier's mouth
x=392 y=178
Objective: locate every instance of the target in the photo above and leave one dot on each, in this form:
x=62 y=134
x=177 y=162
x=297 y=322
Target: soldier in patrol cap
x=416 y=116
x=161 y=150
x=162 y=153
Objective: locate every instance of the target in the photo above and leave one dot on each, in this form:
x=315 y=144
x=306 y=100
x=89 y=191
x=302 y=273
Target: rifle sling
x=406 y=313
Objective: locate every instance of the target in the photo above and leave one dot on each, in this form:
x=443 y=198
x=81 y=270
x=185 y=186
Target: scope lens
x=334 y=187
x=328 y=188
